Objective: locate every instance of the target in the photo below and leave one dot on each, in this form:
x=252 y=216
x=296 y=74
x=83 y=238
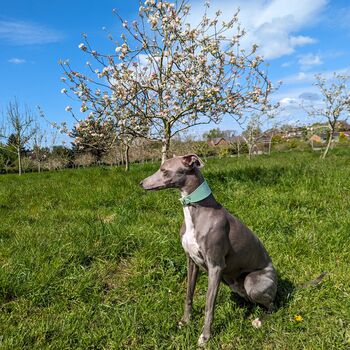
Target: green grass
x=90 y=261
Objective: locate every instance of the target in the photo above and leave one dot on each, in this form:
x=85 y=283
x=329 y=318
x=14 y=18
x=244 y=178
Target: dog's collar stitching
x=201 y=192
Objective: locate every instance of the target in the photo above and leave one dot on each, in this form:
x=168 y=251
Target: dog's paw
x=257 y=323
x=202 y=341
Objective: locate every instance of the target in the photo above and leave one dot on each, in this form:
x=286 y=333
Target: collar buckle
x=185 y=201
x=200 y=193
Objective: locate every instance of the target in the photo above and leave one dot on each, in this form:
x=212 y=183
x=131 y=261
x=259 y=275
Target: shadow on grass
x=285 y=289
x=7 y=295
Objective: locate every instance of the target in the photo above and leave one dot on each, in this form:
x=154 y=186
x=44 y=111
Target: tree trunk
x=126 y=156
x=166 y=143
x=121 y=155
x=270 y=145
x=250 y=148
x=329 y=142
x=19 y=161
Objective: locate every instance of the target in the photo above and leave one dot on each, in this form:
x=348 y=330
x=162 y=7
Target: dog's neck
x=193 y=180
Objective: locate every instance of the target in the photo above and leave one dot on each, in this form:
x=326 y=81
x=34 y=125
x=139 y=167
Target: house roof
x=217 y=140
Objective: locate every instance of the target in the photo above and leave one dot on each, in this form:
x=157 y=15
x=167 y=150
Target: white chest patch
x=189 y=242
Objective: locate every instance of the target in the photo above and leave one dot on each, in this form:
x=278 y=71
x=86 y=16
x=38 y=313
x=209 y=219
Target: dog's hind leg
x=261 y=288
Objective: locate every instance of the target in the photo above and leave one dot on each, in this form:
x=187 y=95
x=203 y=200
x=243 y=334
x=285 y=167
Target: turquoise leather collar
x=200 y=193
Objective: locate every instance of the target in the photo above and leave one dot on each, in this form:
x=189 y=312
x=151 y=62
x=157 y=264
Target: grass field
x=91 y=261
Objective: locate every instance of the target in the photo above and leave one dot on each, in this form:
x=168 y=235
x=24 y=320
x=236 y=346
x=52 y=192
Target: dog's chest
x=189 y=241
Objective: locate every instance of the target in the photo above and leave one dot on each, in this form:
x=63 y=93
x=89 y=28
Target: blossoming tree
x=335 y=103
x=93 y=135
x=167 y=75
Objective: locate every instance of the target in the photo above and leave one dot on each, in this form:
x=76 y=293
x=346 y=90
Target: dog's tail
x=314 y=282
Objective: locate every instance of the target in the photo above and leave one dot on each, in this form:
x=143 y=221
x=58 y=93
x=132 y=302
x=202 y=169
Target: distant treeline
x=60 y=157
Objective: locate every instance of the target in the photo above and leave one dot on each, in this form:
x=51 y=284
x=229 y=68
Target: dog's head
x=173 y=172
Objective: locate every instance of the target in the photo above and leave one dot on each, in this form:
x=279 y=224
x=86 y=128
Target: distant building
x=323 y=136
x=316 y=138
x=297 y=132
x=218 y=141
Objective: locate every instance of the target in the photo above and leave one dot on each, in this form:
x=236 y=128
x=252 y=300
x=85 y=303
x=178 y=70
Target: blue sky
x=297 y=38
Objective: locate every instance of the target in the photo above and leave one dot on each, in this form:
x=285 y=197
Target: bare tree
x=274 y=130
x=39 y=151
x=238 y=141
x=168 y=75
x=253 y=132
x=335 y=103
x=17 y=129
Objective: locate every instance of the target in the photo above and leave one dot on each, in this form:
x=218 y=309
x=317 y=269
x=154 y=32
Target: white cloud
x=17 y=32
x=309 y=60
x=309 y=77
x=289 y=107
x=301 y=40
x=292 y=100
x=300 y=77
x=286 y=64
x=288 y=100
x=17 y=60
x=272 y=24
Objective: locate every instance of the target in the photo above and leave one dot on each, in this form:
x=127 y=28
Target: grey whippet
x=216 y=241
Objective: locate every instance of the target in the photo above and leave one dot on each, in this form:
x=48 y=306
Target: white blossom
x=82 y=47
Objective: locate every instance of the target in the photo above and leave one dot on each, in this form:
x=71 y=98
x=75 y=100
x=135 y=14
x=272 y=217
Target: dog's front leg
x=214 y=278
x=192 y=273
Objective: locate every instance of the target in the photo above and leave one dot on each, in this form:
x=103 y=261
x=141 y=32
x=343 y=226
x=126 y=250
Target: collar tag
x=200 y=193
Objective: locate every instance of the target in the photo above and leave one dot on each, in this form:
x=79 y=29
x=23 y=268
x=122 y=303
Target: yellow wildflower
x=298 y=318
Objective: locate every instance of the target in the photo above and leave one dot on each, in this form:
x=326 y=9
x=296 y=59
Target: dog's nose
x=141 y=183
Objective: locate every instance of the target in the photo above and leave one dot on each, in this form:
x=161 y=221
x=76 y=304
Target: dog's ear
x=192 y=160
